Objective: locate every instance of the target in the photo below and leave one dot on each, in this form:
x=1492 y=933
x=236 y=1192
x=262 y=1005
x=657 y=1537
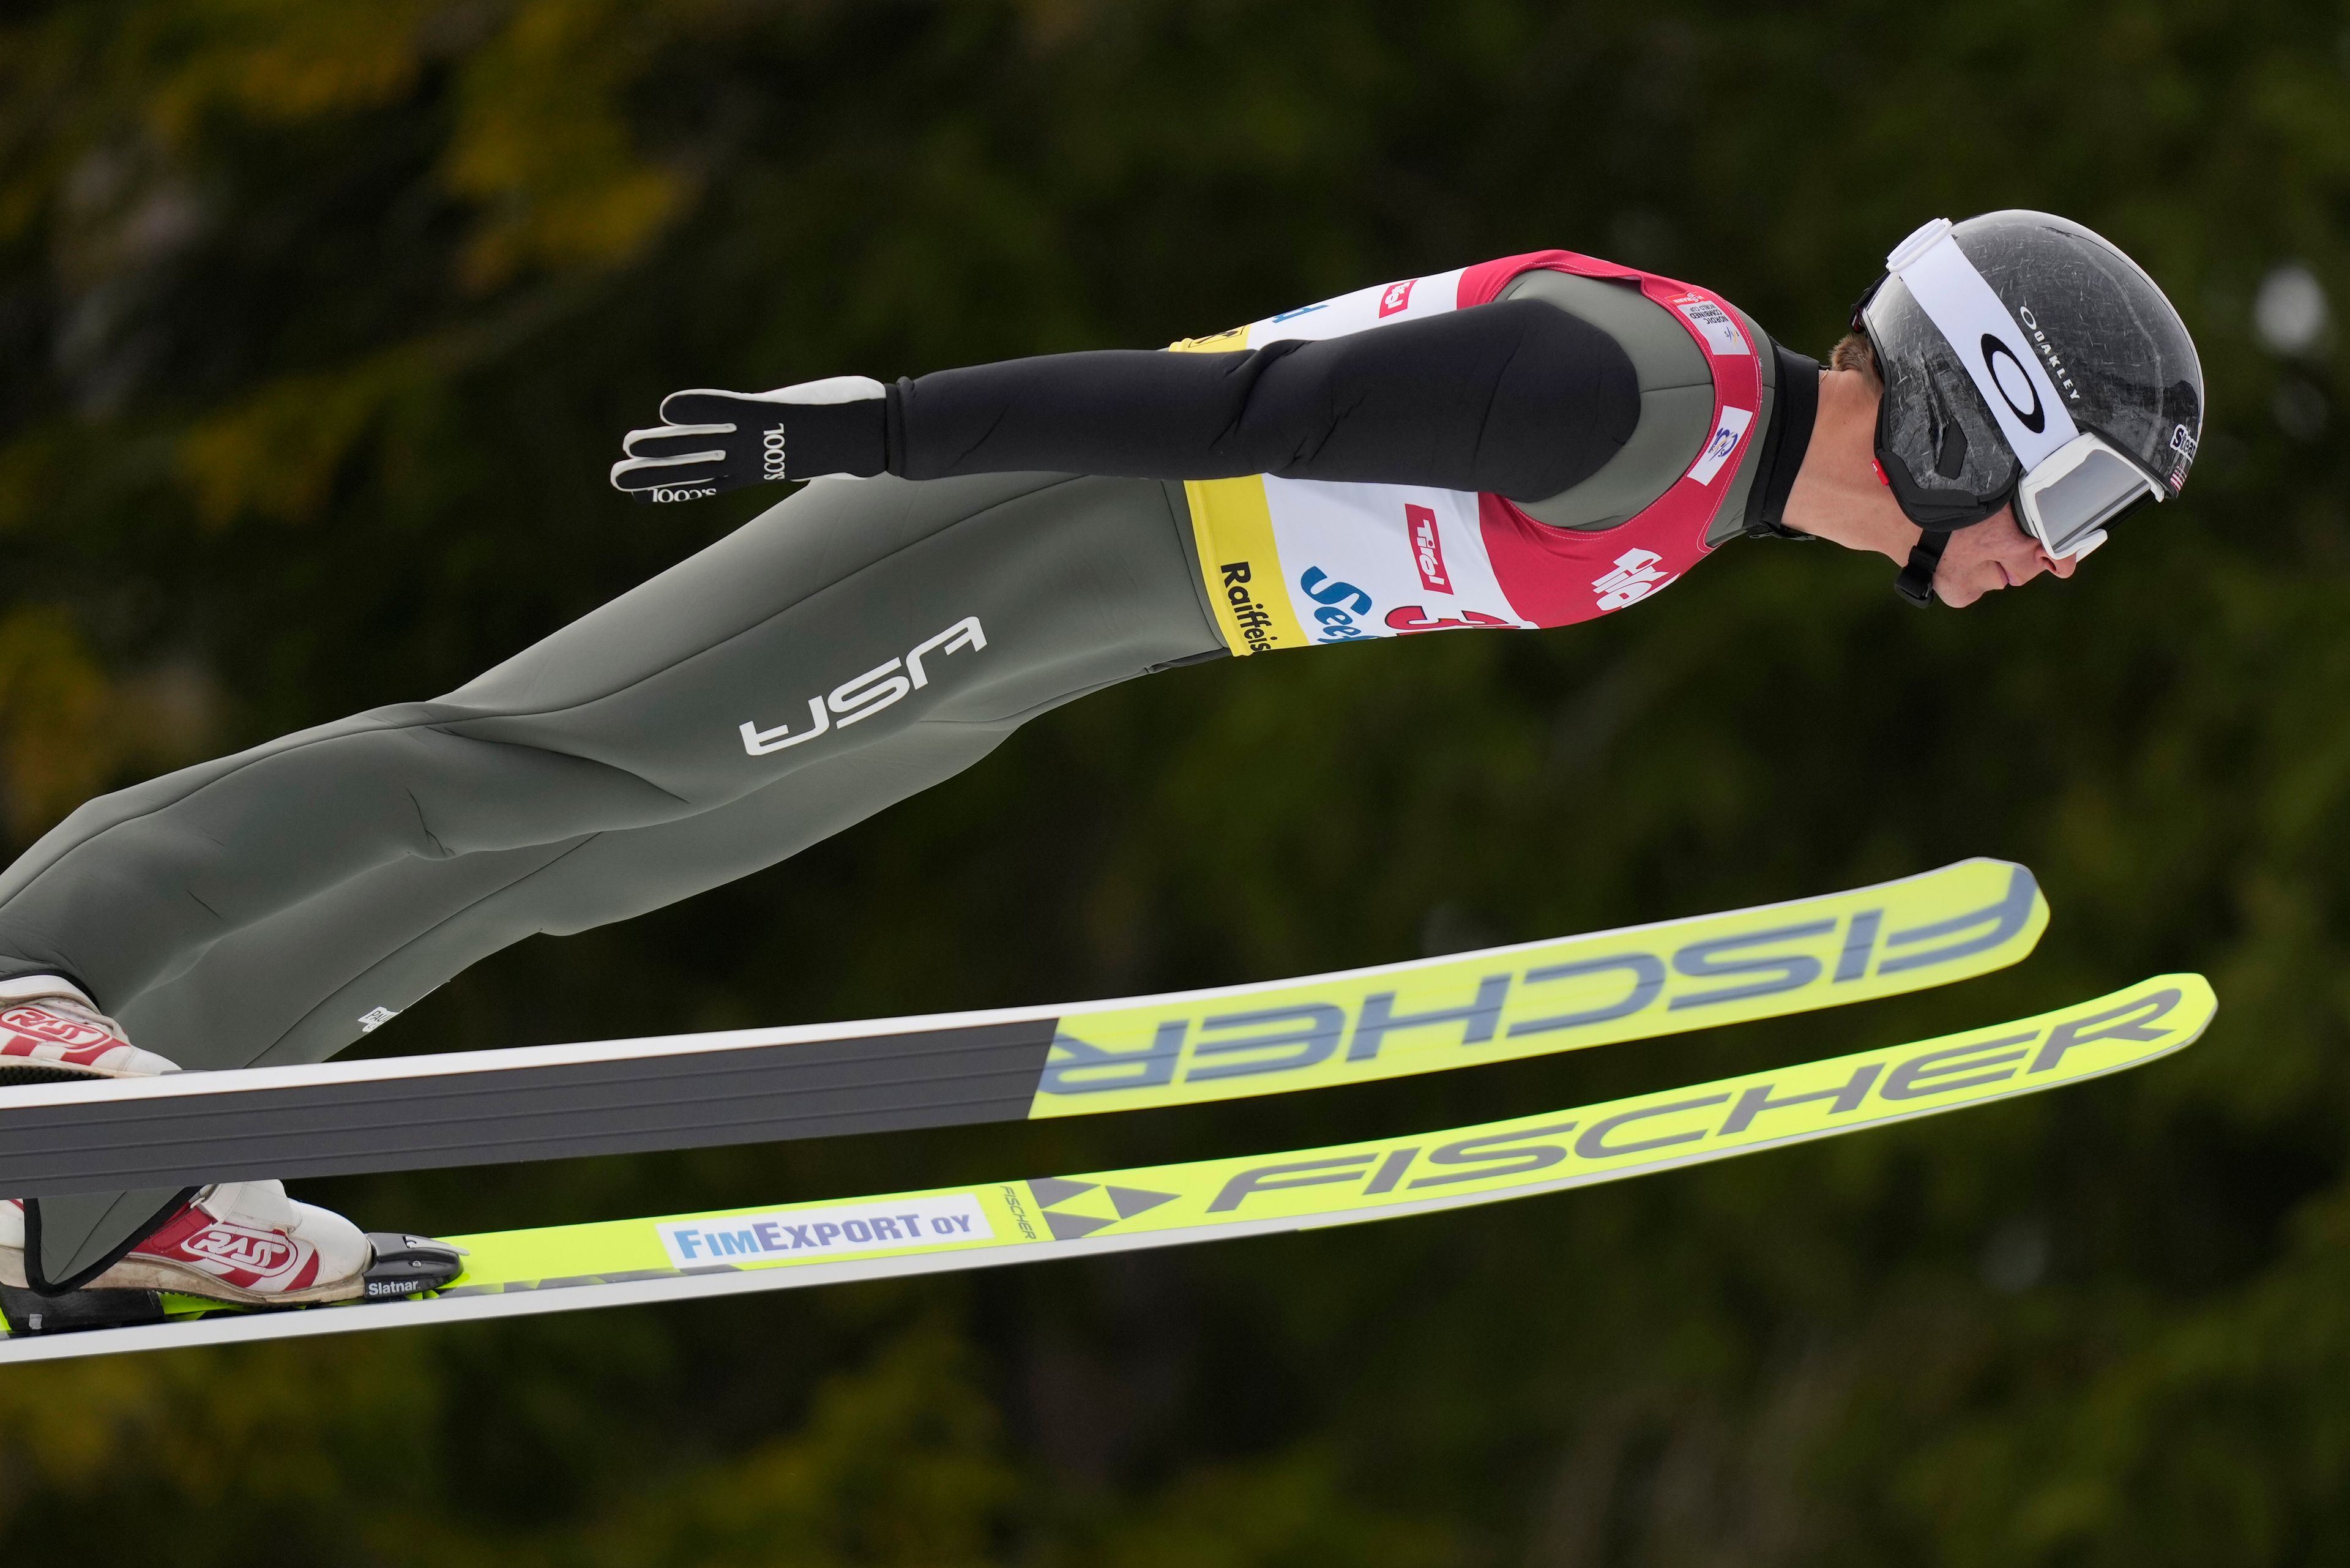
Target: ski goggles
x=2075 y=481
x=2066 y=501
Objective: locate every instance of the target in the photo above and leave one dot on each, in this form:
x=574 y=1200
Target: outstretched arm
x=1518 y=398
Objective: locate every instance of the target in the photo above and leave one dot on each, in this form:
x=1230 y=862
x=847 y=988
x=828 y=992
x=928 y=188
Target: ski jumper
x=1050 y=526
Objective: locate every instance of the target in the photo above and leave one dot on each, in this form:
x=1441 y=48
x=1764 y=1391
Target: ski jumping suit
x=1527 y=442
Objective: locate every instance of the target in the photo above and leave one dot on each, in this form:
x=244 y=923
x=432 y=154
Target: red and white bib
x=1293 y=562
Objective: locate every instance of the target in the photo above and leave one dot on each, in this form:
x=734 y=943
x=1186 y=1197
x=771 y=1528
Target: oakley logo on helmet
x=2008 y=375
x=2049 y=356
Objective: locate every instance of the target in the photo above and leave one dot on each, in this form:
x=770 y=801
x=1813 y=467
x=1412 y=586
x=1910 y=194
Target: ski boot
x=51 y=1034
x=242 y=1244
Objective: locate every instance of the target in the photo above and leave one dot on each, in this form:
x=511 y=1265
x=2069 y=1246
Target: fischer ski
x=789 y=1245
x=1103 y=1212
x=1187 y=1048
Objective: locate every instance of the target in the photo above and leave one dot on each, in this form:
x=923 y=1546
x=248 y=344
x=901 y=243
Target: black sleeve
x=1518 y=398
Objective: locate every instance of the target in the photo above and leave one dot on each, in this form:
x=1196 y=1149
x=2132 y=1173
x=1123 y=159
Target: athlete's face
x=1991 y=555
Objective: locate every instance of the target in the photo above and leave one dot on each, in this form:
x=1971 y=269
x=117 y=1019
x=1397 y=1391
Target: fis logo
x=1728 y=432
x=1427 y=549
x=1636 y=577
x=1395 y=298
x=860 y=697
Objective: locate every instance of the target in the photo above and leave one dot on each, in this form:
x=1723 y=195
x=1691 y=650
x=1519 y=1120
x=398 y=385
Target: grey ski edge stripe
x=759 y=1093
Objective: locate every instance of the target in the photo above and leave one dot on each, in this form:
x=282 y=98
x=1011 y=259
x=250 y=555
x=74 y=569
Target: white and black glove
x=709 y=440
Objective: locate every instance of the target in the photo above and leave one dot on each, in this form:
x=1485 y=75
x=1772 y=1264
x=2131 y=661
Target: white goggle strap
x=1997 y=352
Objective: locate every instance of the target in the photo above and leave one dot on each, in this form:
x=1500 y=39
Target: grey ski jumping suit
x=268 y=908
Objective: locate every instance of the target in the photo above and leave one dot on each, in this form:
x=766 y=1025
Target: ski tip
x=2197 y=995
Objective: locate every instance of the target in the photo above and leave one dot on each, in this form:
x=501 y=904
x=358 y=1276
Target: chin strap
x=1916 y=582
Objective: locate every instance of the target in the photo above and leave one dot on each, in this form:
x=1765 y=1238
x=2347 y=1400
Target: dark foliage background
x=320 y=320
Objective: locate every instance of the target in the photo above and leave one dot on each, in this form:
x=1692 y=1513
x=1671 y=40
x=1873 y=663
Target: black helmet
x=2026 y=360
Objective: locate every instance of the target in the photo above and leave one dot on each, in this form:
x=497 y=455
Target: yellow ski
x=406 y=1112
x=781 y=1246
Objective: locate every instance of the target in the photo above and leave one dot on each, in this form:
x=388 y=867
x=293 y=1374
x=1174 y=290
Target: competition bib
x=1292 y=562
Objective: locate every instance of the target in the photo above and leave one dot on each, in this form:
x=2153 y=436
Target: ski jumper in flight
x=1524 y=443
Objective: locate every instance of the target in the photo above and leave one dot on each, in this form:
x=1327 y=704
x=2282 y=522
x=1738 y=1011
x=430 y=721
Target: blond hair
x=1853 y=352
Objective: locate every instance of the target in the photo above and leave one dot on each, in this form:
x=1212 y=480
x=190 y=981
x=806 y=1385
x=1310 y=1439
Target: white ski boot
x=247 y=1243
x=242 y=1241
x=52 y=1034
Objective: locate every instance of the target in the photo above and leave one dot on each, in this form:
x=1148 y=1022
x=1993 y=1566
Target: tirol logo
x=771 y=455
x=1395 y=296
x=43 y=1025
x=1427 y=548
x=2007 y=373
x=1636 y=577
x=862 y=696
x=261 y=1251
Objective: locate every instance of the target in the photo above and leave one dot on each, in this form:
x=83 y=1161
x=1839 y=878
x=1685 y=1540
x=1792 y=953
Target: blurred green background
x=320 y=320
